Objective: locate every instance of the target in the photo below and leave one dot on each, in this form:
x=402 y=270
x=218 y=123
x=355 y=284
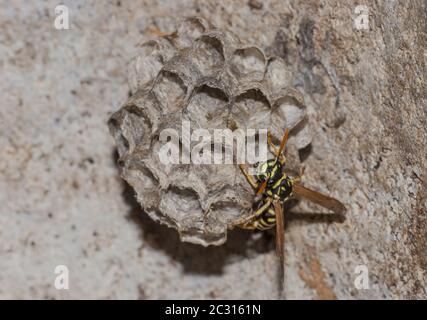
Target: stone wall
x=64 y=203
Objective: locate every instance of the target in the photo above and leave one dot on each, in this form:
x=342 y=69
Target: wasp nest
x=209 y=78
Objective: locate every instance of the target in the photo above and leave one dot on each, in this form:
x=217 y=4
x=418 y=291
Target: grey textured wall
x=63 y=202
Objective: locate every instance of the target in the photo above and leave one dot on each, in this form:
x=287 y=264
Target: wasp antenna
x=283 y=142
x=262 y=188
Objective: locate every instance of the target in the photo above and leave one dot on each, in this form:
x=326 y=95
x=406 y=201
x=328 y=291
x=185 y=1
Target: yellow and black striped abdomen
x=265 y=219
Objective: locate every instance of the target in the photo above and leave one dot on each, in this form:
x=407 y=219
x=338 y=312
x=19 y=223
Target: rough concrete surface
x=63 y=201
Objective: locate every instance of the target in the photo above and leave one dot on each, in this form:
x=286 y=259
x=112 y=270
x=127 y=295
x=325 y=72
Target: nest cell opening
x=208 y=54
x=188 y=30
x=170 y=90
x=249 y=62
x=180 y=203
x=287 y=113
x=251 y=110
x=208 y=108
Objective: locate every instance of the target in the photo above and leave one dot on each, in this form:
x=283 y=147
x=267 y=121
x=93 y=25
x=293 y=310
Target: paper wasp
x=274 y=187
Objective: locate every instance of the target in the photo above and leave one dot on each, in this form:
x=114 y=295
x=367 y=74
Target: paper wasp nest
x=208 y=77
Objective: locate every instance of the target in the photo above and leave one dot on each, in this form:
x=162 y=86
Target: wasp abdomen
x=281 y=188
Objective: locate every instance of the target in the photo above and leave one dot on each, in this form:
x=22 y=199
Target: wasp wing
x=280 y=238
x=319 y=198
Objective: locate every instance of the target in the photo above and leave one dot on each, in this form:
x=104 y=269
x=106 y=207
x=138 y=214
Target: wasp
x=273 y=187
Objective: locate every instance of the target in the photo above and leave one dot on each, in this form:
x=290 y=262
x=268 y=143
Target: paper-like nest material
x=208 y=77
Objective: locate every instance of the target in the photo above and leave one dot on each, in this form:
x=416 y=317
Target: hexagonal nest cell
x=207 y=77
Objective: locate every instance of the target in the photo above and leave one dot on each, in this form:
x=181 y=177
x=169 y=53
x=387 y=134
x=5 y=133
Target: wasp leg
x=273 y=148
x=250 y=178
x=252 y=181
x=245 y=222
